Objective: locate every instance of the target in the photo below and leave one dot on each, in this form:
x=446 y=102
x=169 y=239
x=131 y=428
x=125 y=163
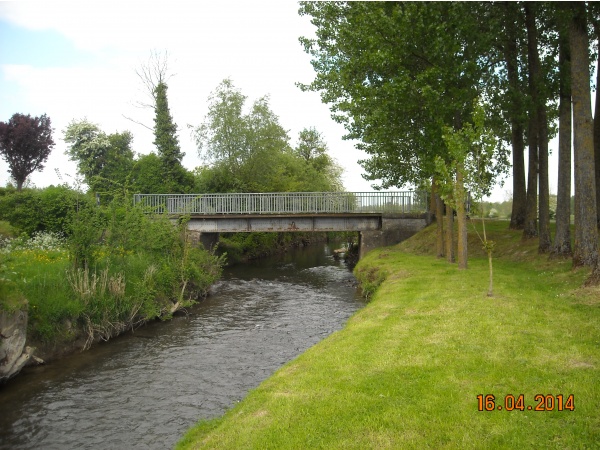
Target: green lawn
x=407 y=369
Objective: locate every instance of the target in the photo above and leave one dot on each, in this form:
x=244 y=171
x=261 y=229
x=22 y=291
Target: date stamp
x=489 y=402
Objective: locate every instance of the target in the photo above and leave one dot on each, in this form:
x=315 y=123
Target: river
x=144 y=389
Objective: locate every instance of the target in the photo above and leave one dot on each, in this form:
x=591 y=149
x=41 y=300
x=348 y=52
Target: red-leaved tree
x=25 y=144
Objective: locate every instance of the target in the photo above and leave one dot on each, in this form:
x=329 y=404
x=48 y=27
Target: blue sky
x=44 y=48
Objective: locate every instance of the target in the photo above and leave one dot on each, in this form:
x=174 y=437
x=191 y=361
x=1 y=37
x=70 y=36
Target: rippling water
x=145 y=389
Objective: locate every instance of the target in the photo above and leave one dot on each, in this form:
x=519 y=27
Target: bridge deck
x=284 y=223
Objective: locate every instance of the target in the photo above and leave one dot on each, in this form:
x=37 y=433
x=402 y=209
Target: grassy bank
x=132 y=269
x=407 y=369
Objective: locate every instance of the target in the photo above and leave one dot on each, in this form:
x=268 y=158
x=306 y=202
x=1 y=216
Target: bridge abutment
x=209 y=240
x=394 y=229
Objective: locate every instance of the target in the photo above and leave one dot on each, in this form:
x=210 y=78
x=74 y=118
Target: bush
x=34 y=210
x=117 y=267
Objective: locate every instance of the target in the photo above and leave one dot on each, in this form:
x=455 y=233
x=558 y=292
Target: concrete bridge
x=381 y=218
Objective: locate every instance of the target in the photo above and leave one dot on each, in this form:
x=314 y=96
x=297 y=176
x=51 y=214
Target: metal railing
x=284 y=203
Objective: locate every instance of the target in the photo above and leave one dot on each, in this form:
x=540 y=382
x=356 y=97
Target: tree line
x=452 y=95
x=244 y=148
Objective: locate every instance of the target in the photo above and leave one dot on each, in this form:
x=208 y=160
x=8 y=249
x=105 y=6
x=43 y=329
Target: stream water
x=145 y=389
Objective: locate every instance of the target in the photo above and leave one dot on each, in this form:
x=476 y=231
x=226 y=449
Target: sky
x=75 y=60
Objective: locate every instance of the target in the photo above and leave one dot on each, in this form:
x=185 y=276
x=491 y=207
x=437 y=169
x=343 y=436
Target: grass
x=122 y=290
x=406 y=370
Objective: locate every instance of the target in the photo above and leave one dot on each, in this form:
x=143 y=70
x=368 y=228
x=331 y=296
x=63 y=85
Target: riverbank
x=115 y=395
x=407 y=370
x=50 y=306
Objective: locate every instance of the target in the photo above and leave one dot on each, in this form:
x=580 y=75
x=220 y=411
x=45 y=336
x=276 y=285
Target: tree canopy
x=104 y=160
x=395 y=74
x=25 y=144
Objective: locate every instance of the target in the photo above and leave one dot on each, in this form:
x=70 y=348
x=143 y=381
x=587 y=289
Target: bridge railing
x=285 y=203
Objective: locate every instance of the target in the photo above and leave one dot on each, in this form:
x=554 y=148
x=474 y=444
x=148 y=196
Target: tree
x=396 y=74
x=105 y=161
x=25 y=144
x=472 y=149
x=165 y=139
x=562 y=241
x=513 y=95
x=595 y=16
x=538 y=139
x=250 y=151
x=222 y=135
x=312 y=150
x=247 y=149
x=154 y=76
x=585 y=251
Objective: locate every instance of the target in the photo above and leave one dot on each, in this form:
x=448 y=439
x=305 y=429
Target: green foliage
x=395 y=73
x=21 y=210
x=85 y=230
x=250 y=152
x=6 y=229
x=104 y=160
x=147 y=175
x=10 y=296
x=40 y=210
x=175 y=179
x=472 y=151
x=369 y=279
x=118 y=268
x=56 y=204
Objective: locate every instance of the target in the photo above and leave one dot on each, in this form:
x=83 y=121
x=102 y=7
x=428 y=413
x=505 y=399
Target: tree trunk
x=545 y=240
x=530 y=229
x=585 y=252
x=439 y=221
x=562 y=244
x=519 y=196
x=449 y=234
x=461 y=215
x=597 y=125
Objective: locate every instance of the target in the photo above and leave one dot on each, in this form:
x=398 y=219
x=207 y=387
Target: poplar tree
x=585 y=251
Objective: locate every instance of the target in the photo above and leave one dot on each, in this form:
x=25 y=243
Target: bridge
x=381 y=218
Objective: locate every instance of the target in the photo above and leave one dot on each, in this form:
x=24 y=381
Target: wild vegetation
x=104 y=271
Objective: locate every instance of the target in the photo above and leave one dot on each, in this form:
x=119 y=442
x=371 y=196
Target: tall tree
x=562 y=242
x=165 y=139
x=250 y=151
x=395 y=74
x=512 y=18
x=25 y=144
x=595 y=9
x=154 y=76
x=531 y=214
x=585 y=251
x=472 y=149
x=312 y=150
